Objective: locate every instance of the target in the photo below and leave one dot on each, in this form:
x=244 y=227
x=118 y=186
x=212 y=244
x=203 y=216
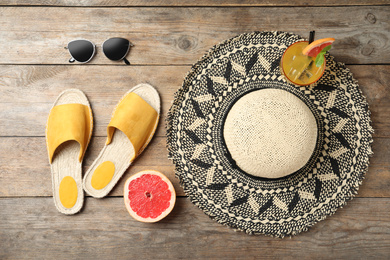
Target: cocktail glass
x=298 y=68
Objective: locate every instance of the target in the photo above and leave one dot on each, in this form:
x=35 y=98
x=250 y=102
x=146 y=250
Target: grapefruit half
x=316 y=47
x=149 y=196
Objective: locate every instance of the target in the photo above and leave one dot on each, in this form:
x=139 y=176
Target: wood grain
x=26 y=170
x=169 y=36
x=124 y=3
x=32 y=228
x=28 y=92
x=176 y=36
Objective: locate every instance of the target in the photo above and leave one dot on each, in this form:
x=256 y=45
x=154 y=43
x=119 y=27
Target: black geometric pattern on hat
x=251 y=62
x=193 y=136
x=324 y=87
x=210 y=86
x=342 y=140
x=338 y=112
x=240 y=201
x=201 y=163
x=335 y=166
x=317 y=190
x=217 y=186
x=293 y=202
x=197 y=109
x=228 y=71
x=266 y=206
x=275 y=65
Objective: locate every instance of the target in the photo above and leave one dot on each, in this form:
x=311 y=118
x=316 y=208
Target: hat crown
x=270 y=133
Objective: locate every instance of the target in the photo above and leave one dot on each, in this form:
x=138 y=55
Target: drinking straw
x=311 y=37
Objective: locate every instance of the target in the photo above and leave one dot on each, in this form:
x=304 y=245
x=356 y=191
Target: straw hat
x=259 y=154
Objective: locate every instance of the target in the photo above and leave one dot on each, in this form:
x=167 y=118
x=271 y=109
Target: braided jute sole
x=65 y=160
x=120 y=150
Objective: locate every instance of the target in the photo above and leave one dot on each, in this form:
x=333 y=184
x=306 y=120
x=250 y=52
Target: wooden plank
x=28 y=92
x=226 y=3
x=167 y=36
x=26 y=171
x=373 y=81
x=32 y=228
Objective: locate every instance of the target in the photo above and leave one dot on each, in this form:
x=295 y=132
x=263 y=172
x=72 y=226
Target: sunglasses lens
x=116 y=48
x=81 y=50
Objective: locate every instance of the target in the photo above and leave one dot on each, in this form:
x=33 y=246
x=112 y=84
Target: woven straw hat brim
x=231 y=196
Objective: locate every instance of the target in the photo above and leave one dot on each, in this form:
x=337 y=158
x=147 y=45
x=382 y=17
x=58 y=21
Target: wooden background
x=168 y=36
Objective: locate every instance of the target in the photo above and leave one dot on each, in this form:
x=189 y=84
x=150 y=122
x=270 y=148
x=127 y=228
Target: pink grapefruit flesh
x=149 y=196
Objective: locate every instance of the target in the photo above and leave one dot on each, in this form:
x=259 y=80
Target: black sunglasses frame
x=72 y=59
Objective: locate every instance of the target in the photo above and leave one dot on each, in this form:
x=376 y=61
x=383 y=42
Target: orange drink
x=298 y=68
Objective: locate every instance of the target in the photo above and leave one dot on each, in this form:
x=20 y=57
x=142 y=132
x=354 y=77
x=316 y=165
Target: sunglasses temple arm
x=126 y=61
x=71 y=60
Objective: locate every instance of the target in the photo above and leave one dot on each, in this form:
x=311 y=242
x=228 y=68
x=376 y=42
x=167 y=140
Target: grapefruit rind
x=127 y=200
x=314 y=48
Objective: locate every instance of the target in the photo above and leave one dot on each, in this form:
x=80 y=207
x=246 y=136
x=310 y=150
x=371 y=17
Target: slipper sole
x=66 y=168
x=114 y=159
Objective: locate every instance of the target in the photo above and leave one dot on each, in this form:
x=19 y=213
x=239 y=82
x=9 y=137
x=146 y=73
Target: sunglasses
x=83 y=51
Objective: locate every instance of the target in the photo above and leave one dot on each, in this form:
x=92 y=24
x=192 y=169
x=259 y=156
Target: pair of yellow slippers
x=69 y=130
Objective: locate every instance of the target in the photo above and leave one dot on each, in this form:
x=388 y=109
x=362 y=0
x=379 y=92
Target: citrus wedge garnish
x=314 y=48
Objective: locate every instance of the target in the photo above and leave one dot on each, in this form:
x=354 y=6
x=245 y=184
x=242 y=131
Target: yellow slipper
x=68 y=132
x=130 y=130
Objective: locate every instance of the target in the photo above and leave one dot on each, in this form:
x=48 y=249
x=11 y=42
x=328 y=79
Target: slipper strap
x=68 y=122
x=136 y=119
